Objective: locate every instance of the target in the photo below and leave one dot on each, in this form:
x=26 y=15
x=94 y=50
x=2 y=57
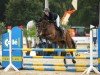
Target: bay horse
x=50 y=32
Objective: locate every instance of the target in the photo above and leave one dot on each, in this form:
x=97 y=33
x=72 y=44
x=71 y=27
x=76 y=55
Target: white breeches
x=58 y=21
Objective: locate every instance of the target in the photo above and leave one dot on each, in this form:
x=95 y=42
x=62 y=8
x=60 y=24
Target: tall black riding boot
x=61 y=31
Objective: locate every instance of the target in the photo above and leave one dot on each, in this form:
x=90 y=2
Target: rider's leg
x=58 y=21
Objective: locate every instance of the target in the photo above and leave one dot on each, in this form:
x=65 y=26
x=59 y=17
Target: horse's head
x=39 y=29
x=42 y=27
x=46 y=29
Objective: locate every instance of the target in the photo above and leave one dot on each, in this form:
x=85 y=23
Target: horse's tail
x=74 y=45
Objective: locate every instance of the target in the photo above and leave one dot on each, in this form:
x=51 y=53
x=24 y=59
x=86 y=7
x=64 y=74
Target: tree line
x=19 y=12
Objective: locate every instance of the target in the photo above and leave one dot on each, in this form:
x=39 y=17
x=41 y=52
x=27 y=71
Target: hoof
x=64 y=61
x=73 y=61
x=27 y=53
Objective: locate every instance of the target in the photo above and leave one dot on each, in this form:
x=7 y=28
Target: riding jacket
x=52 y=16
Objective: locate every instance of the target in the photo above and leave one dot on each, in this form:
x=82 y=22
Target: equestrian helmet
x=46 y=10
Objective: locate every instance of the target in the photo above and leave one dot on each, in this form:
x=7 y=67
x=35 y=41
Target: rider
x=53 y=17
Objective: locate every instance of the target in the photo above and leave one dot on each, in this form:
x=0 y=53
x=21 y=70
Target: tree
x=2 y=9
x=86 y=14
x=2 y=29
x=21 y=11
x=59 y=6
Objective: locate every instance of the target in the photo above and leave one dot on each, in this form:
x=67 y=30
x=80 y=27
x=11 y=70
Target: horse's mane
x=45 y=23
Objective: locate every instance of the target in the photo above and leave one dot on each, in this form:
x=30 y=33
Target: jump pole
x=10 y=53
x=91 y=68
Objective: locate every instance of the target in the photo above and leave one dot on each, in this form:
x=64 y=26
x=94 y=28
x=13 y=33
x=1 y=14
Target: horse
x=49 y=31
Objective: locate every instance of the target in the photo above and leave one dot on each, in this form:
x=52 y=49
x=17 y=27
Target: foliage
x=2 y=28
x=21 y=11
x=59 y=6
x=66 y=26
x=86 y=14
x=30 y=32
x=2 y=9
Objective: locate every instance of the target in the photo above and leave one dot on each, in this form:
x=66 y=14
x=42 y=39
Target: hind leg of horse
x=70 y=45
x=73 y=60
